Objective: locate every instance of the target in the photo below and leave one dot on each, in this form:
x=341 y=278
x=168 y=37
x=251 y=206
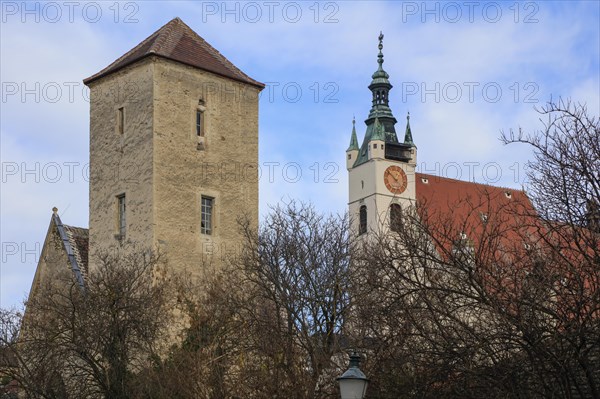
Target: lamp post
x=353 y=383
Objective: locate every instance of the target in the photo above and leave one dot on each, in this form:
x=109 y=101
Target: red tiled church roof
x=178 y=42
x=514 y=237
x=475 y=209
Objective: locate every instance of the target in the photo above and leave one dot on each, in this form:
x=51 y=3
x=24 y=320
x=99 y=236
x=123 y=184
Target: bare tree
x=10 y=325
x=483 y=297
x=207 y=356
x=88 y=343
x=270 y=323
x=564 y=182
x=564 y=177
x=296 y=271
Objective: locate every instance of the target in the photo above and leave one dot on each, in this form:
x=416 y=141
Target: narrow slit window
x=206 y=216
x=199 y=123
x=122 y=215
x=121 y=120
x=362 y=216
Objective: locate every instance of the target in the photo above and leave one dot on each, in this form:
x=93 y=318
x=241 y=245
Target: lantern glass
x=351 y=388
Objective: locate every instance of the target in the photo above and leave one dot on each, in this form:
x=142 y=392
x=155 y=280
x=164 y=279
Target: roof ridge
x=217 y=53
x=163 y=35
x=469 y=182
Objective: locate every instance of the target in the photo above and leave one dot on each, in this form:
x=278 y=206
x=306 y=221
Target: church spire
x=381 y=124
x=380 y=85
x=380 y=88
x=353 y=140
x=408 y=139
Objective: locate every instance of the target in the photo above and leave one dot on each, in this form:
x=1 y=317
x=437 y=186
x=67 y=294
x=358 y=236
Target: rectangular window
x=206 y=215
x=122 y=212
x=121 y=121
x=199 y=123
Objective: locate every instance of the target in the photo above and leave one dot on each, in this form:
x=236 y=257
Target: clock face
x=395 y=179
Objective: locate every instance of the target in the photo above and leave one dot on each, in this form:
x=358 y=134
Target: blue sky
x=464 y=70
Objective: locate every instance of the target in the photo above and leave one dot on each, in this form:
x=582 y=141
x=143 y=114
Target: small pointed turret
x=352 y=151
x=353 y=139
x=408 y=139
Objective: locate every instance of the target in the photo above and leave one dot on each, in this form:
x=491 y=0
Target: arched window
x=362 y=216
x=395 y=217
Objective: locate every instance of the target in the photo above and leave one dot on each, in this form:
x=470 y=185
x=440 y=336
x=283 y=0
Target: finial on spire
x=380 y=55
x=55 y=210
x=408 y=116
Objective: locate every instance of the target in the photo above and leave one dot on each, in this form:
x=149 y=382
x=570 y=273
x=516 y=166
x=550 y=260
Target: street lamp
x=353 y=383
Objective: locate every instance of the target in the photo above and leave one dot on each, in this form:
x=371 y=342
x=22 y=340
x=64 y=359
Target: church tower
x=382 y=171
x=173 y=150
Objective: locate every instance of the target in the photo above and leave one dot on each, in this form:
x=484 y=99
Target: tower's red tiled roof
x=178 y=42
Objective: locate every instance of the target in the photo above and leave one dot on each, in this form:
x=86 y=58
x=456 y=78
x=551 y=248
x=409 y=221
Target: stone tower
x=382 y=171
x=173 y=150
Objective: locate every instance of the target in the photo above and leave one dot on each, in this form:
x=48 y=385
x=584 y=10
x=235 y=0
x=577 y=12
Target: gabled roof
x=73 y=243
x=178 y=42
